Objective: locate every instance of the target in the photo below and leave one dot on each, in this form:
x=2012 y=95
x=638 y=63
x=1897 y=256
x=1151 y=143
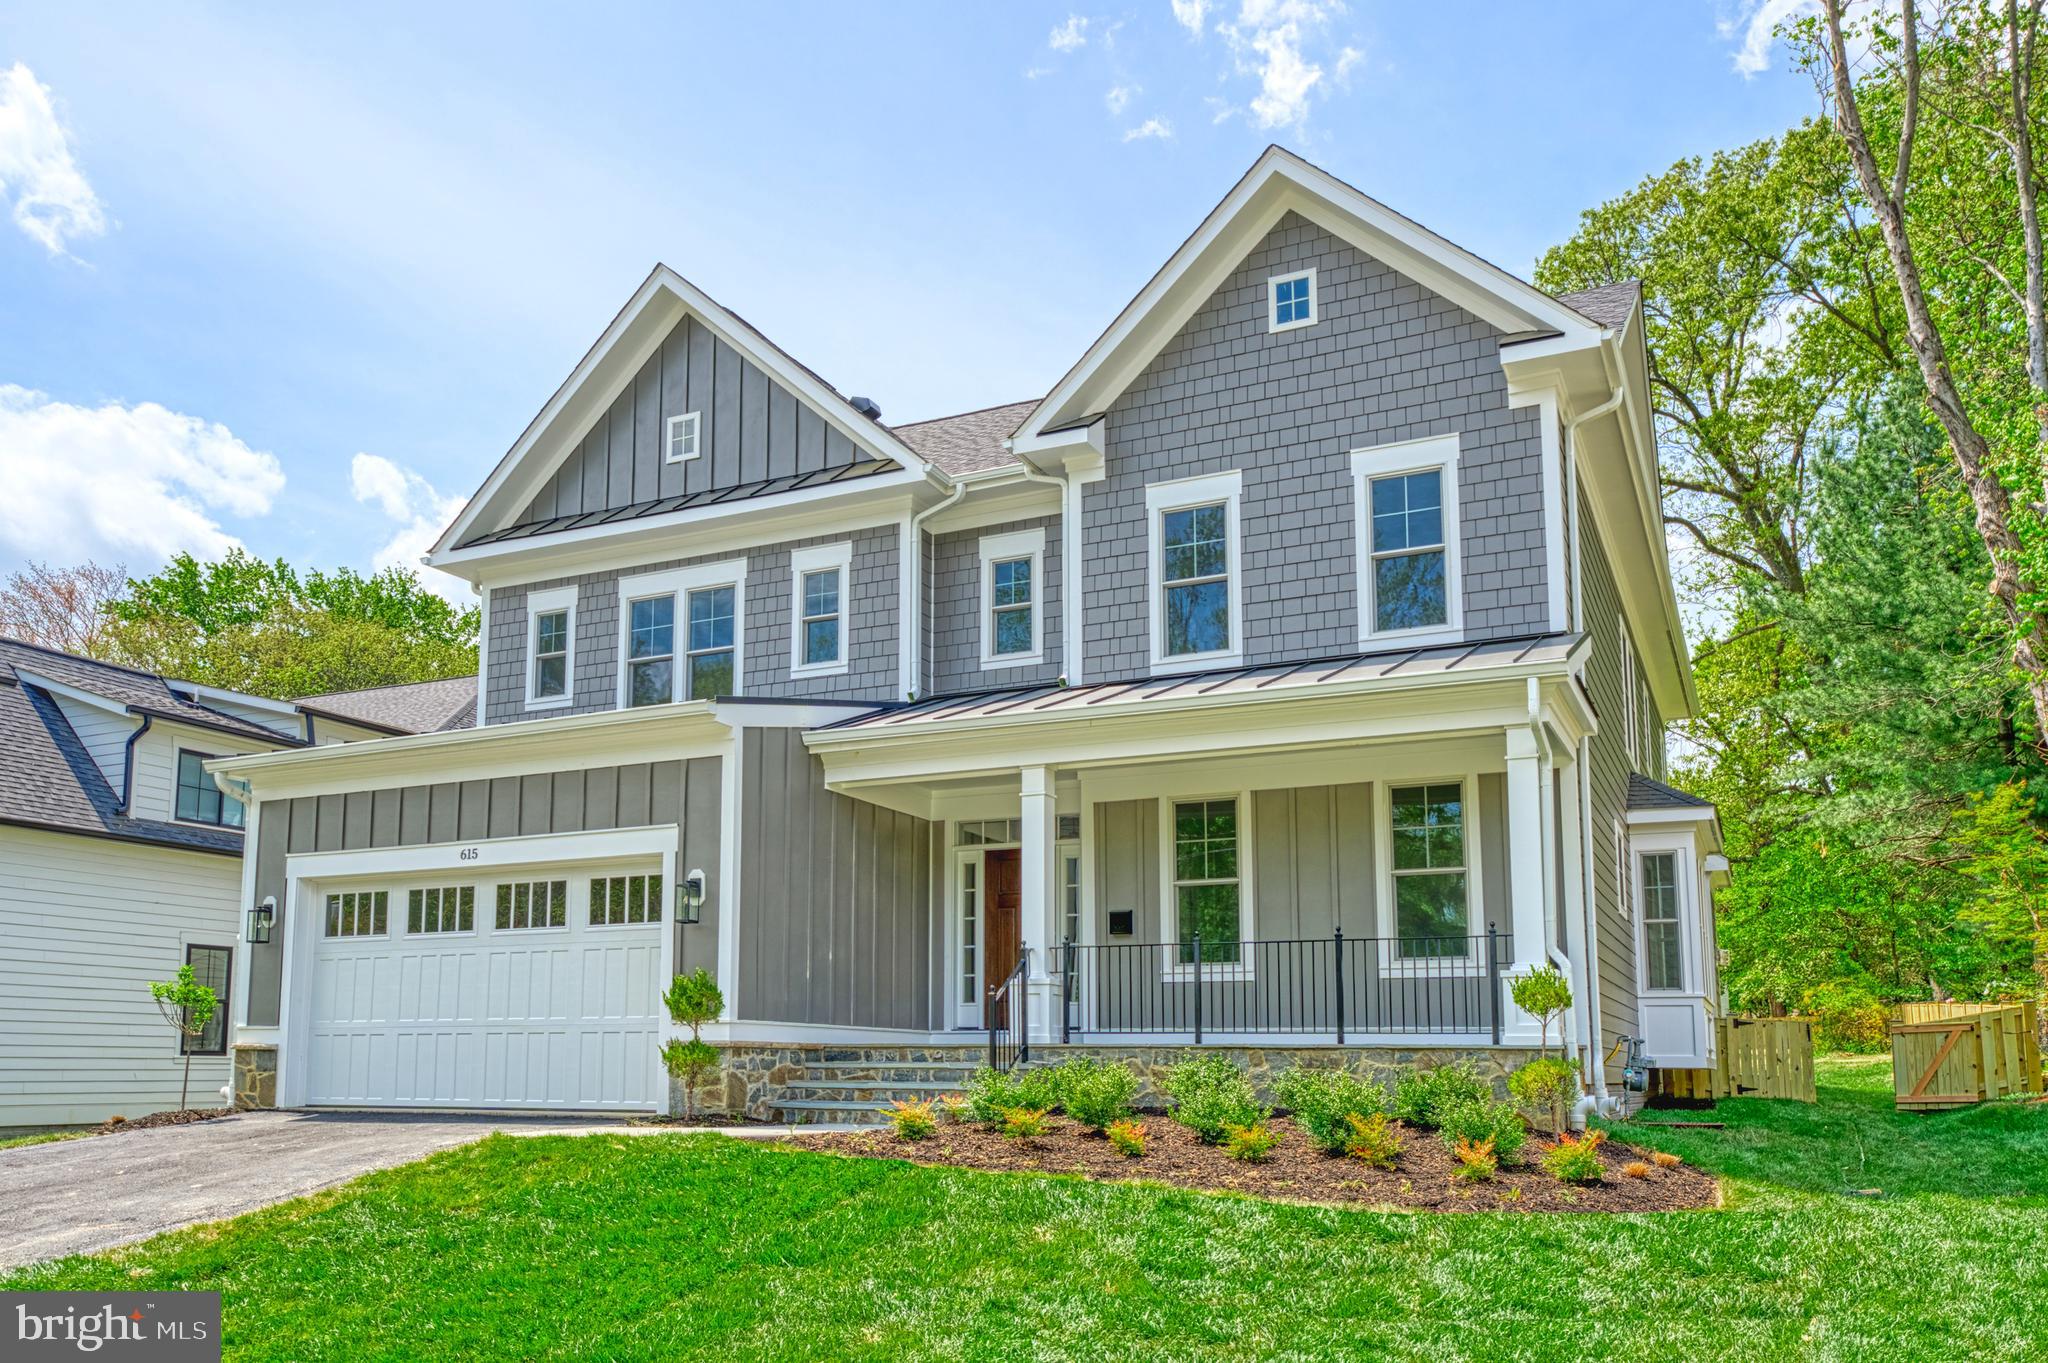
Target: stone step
x=955 y=1075
x=813 y=1112
x=880 y=1091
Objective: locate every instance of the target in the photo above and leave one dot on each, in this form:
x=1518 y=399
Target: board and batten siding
x=836 y=898
x=957 y=611
x=868 y=600
x=685 y=792
x=1608 y=779
x=88 y=924
x=1385 y=361
x=751 y=428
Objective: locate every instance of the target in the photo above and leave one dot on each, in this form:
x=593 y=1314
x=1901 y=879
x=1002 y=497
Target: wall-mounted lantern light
x=690 y=898
x=260 y=920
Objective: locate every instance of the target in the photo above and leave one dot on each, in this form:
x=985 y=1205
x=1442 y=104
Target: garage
x=528 y=987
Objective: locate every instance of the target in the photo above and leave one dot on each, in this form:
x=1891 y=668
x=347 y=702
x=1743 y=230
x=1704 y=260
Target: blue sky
x=240 y=249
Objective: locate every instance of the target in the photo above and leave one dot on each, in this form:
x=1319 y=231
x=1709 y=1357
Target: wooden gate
x=1954 y=1054
x=1758 y=1058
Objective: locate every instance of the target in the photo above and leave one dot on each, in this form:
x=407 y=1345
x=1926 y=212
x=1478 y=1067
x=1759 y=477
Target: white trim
x=1179 y=494
x=1273 y=322
x=1016 y=544
x=678 y=583
x=483 y=652
x=1438 y=453
x=686 y=428
x=69 y=692
x=1170 y=967
x=537 y=605
x=1631 y=717
x=1386 y=920
x=726 y=905
x=837 y=558
x=909 y=611
x=1684 y=873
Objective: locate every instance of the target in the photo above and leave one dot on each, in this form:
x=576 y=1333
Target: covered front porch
x=1353 y=856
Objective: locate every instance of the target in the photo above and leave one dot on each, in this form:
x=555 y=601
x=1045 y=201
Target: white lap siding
x=87 y=924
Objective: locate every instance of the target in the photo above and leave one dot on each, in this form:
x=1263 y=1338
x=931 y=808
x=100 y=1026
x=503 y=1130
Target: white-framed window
x=1012 y=598
x=820 y=581
x=1409 y=586
x=440 y=908
x=550 y=648
x=1196 y=595
x=680 y=635
x=970 y=918
x=1291 y=301
x=1624 y=901
x=199 y=800
x=1631 y=717
x=1663 y=933
x=358 y=913
x=618 y=900
x=524 y=904
x=1429 y=827
x=681 y=443
x=1205 y=863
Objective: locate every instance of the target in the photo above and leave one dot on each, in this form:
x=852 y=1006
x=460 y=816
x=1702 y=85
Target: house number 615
x=467 y=854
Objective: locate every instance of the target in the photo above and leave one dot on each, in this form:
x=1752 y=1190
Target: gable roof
x=139 y=692
x=971 y=442
x=1646 y=792
x=662 y=300
x=1279 y=182
x=407 y=708
x=1611 y=305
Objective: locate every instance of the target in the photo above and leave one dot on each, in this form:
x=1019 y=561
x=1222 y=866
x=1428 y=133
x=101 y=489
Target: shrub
x=688 y=1062
x=1664 y=1159
x=1847 y=1016
x=1024 y=1123
x=1421 y=1094
x=1127 y=1138
x=991 y=1093
x=913 y=1121
x=1635 y=1168
x=1210 y=1093
x=954 y=1105
x=1482 y=1119
x=1576 y=1161
x=1096 y=1092
x=1373 y=1141
x=1543 y=994
x=692 y=1000
x=1546 y=1087
x=1323 y=1102
x=1476 y=1161
x=1252 y=1144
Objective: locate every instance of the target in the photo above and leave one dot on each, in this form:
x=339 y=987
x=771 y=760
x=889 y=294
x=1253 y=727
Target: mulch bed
x=704 y=1119
x=185 y=1118
x=1296 y=1170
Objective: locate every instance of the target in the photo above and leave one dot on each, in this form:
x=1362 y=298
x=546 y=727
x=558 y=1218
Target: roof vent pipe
x=867 y=407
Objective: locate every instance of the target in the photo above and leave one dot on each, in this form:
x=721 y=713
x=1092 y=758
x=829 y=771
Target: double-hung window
x=1663 y=942
x=214 y=968
x=818 y=596
x=680 y=634
x=1206 y=882
x=1408 y=539
x=1432 y=907
x=199 y=799
x=550 y=638
x=1012 y=588
x=1291 y=301
x=1197 y=602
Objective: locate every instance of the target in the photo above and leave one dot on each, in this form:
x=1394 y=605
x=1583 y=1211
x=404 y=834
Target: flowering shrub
x=1252 y=1144
x=1476 y=1161
x=1127 y=1138
x=1373 y=1141
x=1576 y=1160
x=913 y=1120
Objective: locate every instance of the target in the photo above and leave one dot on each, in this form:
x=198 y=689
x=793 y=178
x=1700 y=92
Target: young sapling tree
x=692 y=1000
x=188 y=1006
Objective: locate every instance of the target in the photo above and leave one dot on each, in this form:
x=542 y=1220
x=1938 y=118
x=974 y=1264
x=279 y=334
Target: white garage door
x=536 y=991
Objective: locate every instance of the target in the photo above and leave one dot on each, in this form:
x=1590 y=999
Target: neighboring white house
x=120 y=860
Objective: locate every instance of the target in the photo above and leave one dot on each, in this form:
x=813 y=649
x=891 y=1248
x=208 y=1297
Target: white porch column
x=1531 y=867
x=1040 y=817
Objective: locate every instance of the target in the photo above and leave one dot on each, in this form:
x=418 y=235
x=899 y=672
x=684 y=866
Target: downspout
x=914 y=567
x=128 y=763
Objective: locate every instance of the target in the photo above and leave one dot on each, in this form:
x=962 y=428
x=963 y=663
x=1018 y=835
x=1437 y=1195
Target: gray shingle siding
x=954 y=638
x=871 y=614
x=1385 y=361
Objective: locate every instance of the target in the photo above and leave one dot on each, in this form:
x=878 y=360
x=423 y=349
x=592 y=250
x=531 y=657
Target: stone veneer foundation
x=255 y=1076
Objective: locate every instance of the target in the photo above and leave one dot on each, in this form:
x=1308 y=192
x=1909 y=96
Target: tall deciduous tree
x=60 y=608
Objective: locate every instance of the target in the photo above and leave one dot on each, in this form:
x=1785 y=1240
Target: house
x=120 y=860
x=1291 y=675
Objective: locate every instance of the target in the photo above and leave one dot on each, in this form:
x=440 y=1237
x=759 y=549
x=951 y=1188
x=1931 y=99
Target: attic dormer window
x=1291 y=301
x=682 y=437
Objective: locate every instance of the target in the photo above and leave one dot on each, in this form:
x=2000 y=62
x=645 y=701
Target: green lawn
x=43 y=1137
x=701 y=1247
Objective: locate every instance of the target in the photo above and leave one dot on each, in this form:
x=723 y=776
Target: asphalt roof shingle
x=971 y=442
x=409 y=707
x=1609 y=304
x=144 y=692
x=1647 y=793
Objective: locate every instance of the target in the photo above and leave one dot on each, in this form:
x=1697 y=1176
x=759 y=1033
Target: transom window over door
x=1432 y=908
x=1408 y=539
x=1206 y=883
x=1663 y=944
x=1196 y=592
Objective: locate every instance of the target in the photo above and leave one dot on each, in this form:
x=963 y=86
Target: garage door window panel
x=527 y=904
x=617 y=901
x=441 y=909
x=359 y=913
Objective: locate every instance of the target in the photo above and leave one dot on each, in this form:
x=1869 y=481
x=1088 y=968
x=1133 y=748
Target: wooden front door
x=1002 y=906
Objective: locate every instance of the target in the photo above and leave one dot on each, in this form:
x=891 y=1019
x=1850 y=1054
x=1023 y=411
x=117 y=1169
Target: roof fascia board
x=71 y=692
x=201 y=694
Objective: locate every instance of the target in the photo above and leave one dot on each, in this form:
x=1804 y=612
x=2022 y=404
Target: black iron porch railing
x=1347 y=988
x=1008 y=1009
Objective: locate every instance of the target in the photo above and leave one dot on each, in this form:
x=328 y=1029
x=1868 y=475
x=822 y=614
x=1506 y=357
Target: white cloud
x=135 y=484
x=1150 y=128
x=1070 y=35
x=421 y=513
x=1346 y=60
x=1034 y=72
x=1757 y=23
x=1119 y=97
x=52 y=200
x=1191 y=15
x=1270 y=39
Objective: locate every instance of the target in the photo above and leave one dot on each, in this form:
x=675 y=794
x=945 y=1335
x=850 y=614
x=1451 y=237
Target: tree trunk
x=185 y=1089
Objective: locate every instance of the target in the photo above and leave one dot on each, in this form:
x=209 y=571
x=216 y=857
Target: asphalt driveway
x=77 y=1196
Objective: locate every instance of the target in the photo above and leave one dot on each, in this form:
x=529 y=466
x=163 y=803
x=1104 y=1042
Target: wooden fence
x=1954 y=1054
x=1757 y=1058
